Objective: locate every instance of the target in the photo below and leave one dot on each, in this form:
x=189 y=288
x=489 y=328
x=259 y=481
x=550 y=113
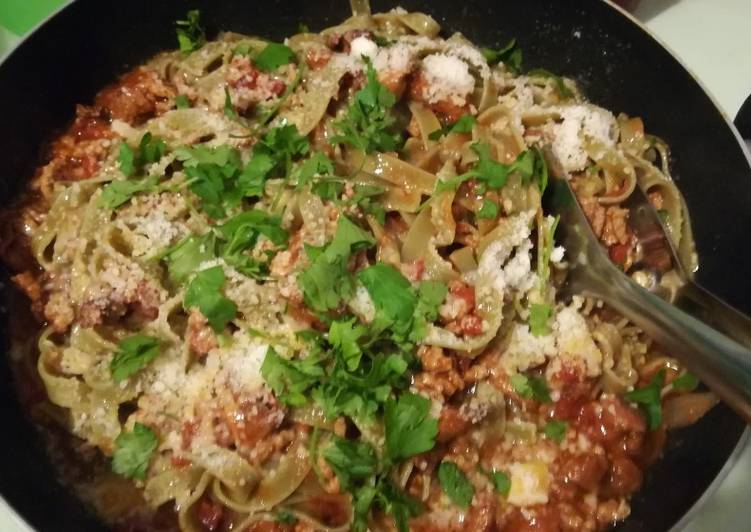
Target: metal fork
x=689 y=328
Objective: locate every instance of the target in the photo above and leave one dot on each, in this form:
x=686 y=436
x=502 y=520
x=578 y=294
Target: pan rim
x=9 y=515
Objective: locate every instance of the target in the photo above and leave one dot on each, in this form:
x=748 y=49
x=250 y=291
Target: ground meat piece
x=439 y=377
x=624 y=478
x=481 y=515
x=137 y=96
x=317 y=57
x=250 y=86
x=210 y=514
x=616 y=229
x=595 y=214
x=395 y=81
x=251 y=419
x=201 y=336
x=614 y=424
x=29 y=284
x=583 y=470
x=471 y=325
x=610 y=511
x=59 y=312
x=269 y=526
x=446 y=110
x=533 y=519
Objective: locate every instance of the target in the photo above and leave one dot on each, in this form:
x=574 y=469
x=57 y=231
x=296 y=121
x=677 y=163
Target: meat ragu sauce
x=310 y=286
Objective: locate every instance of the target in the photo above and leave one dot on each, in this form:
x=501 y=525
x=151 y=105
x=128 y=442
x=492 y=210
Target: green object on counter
x=19 y=16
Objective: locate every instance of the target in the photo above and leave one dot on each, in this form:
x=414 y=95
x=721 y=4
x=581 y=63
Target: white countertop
x=711 y=38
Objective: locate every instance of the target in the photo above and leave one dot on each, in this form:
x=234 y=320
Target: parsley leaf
x=182 y=101
x=463 y=125
x=391 y=293
x=489 y=210
x=133 y=452
x=229 y=109
x=510 y=55
x=183 y=258
x=318 y=164
x=555 y=430
x=561 y=86
x=369 y=121
x=455 y=484
x=531 y=387
x=501 y=482
x=190 y=34
x=274 y=56
x=204 y=292
x=133 y=354
x=688 y=381
x=351 y=461
x=649 y=400
x=326 y=281
x=290 y=379
x=344 y=335
x=539 y=316
x=286 y=517
x=120 y=191
x=409 y=428
x=150 y=149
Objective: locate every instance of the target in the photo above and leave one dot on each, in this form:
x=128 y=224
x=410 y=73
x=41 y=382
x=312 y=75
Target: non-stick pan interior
x=619 y=67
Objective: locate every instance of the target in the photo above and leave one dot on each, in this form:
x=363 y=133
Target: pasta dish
x=310 y=285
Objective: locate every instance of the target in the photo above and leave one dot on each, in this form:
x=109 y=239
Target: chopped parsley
x=368 y=125
x=501 y=482
x=531 y=387
x=186 y=256
x=510 y=55
x=489 y=210
x=494 y=174
x=455 y=484
x=409 y=428
x=539 y=318
x=119 y=192
x=555 y=430
x=182 y=101
x=204 y=292
x=560 y=85
x=273 y=56
x=352 y=461
x=463 y=125
x=290 y=379
x=133 y=452
x=286 y=517
x=688 y=381
x=649 y=400
x=326 y=282
x=133 y=354
x=190 y=34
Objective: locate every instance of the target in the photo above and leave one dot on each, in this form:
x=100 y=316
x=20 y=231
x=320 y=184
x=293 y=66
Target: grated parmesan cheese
x=575 y=344
x=448 y=79
x=362 y=46
x=579 y=122
x=526 y=350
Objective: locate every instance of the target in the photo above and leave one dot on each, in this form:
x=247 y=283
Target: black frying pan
x=618 y=65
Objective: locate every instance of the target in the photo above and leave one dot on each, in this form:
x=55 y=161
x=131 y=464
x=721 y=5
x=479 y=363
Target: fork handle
x=723 y=364
x=707 y=308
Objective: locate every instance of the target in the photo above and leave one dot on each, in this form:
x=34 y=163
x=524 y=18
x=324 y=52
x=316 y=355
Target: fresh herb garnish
x=649 y=400
x=463 y=125
x=352 y=461
x=501 y=482
x=119 y=192
x=488 y=210
x=182 y=101
x=561 y=86
x=539 y=317
x=133 y=354
x=133 y=452
x=150 y=149
x=204 y=292
x=190 y=34
x=368 y=123
x=531 y=387
x=274 y=56
x=286 y=517
x=455 y=484
x=555 y=430
x=186 y=256
x=409 y=428
x=326 y=281
x=510 y=55
x=290 y=379
x=688 y=381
